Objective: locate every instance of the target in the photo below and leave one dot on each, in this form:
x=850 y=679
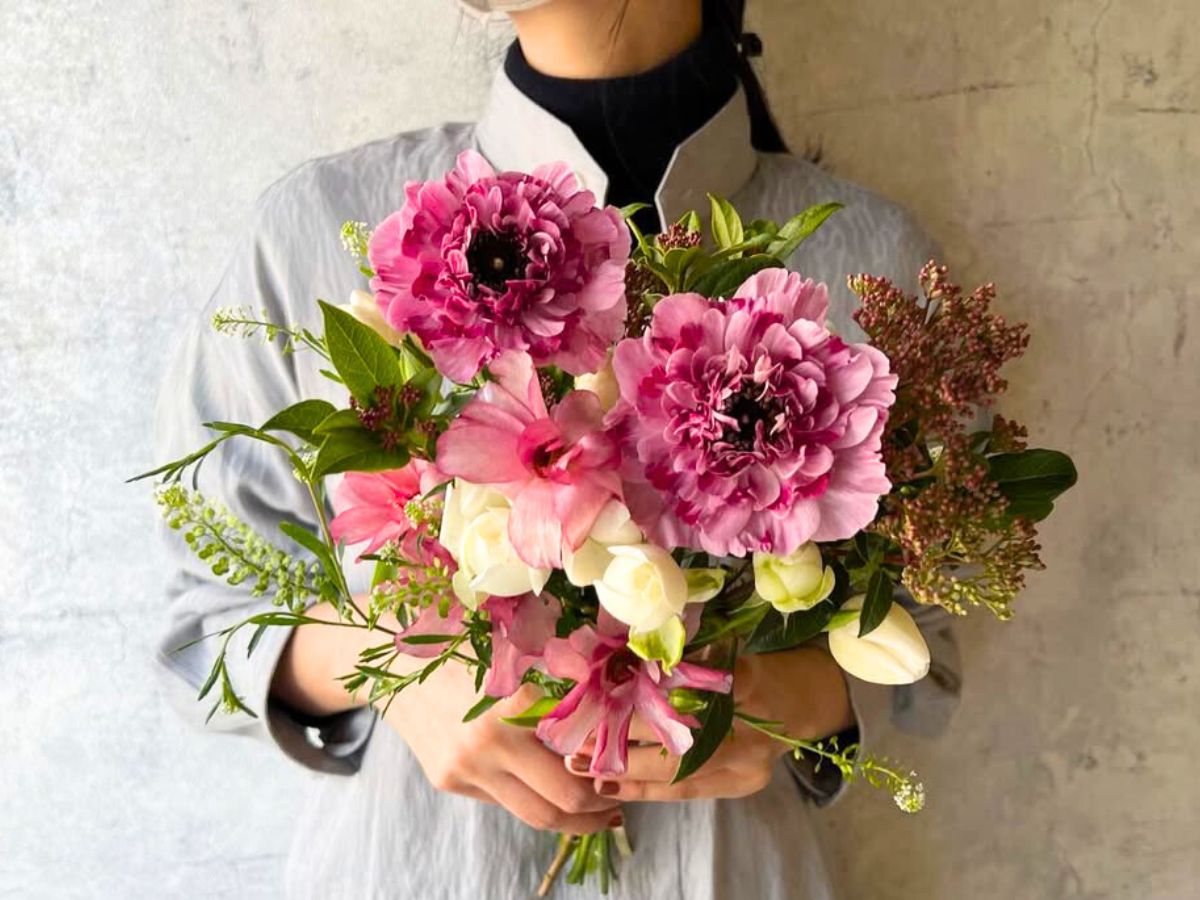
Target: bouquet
x=606 y=463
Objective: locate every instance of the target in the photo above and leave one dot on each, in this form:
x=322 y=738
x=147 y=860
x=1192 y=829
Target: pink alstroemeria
x=521 y=626
x=611 y=684
x=430 y=621
x=558 y=468
x=372 y=507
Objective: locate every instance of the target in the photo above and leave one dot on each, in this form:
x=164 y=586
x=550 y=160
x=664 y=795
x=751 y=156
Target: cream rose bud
x=642 y=586
x=613 y=526
x=893 y=653
x=795 y=582
x=475 y=533
x=602 y=383
x=363 y=307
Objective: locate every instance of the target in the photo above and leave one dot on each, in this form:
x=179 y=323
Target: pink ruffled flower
x=373 y=507
x=481 y=262
x=611 y=684
x=745 y=425
x=558 y=469
x=521 y=626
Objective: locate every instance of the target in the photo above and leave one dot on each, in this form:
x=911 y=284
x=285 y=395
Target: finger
x=537 y=812
x=646 y=763
x=717 y=784
x=543 y=771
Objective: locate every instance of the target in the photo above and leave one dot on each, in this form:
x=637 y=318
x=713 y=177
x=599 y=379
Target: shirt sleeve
x=215 y=376
x=926 y=707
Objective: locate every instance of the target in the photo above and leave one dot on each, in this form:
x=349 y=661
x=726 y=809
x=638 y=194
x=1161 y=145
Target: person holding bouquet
x=651 y=101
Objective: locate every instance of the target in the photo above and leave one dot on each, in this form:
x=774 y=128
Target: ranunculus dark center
x=748 y=409
x=494 y=257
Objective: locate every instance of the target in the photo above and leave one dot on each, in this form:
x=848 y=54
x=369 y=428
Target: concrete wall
x=1051 y=146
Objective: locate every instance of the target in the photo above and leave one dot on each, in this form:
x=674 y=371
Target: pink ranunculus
x=745 y=425
x=557 y=468
x=372 y=507
x=480 y=262
x=521 y=626
x=611 y=684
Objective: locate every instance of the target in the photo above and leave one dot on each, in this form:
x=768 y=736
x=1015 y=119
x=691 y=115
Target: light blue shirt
x=373 y=827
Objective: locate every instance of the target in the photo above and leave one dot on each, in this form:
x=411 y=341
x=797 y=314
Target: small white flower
x=613 y=527
x=893 y=653
x=602 y=383
x=642 y=586
x=795 y=582
x=475 y=533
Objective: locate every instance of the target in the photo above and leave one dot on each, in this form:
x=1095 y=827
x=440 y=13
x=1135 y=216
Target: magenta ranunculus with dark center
x=746 y=425
x=481 y=262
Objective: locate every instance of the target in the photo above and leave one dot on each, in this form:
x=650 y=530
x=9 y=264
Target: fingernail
x=616 y=821
x=578 y=764
x=609 y=788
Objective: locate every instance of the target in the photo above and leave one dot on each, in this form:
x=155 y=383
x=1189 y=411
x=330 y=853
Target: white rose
x=795 y=582
x=363 y=307
x=893 y=653
x=642 y=586
x=602 y=383
x=475 y=532
x=613 y=526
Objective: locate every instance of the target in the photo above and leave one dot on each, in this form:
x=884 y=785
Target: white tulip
x=602 y=383
x=642 y=586
x=363 y=307
x=585 y=566
x=795 y=582
x=894 y=653
x=475 y=533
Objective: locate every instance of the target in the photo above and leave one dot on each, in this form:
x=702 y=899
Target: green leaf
x=777 y=632
x=313 y=544
x=300 y=419
x=716 y=720
x=798 y=228
x=725 y=277
x=428 y=638
x=255 y=638
x=534 y=714
x=877 y=603
x=1032 y=479
x=211 y=680
x=480 y=708
x=363 y=359
x=337 y=420
x=727 y=227
x=356 y=451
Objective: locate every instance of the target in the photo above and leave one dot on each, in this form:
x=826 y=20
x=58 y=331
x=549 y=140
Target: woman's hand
x=491 y=760
x=802 y=688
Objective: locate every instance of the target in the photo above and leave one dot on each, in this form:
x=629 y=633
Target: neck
x=605 y=38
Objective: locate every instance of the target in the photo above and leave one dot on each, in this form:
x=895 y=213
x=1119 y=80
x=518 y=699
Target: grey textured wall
x=1053 y=146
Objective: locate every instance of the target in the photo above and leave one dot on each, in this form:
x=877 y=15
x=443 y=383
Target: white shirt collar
x=516 y=134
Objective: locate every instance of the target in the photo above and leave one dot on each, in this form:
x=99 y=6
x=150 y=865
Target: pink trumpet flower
x=611 y=684
x=557 y=468
x=374 y=507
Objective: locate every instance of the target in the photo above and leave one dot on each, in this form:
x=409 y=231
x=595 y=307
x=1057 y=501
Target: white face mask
x=486 y=8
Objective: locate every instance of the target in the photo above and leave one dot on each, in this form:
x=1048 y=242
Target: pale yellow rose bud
x=795 y=582
x=602 y=383
x=363 y=307
x=893 y=653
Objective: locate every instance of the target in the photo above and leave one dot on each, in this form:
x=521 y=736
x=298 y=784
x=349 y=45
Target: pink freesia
x=521 y=626
x=611 y=684
x=558 y=468
x=480 y=262
x=372 y=507
x=746 y=425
